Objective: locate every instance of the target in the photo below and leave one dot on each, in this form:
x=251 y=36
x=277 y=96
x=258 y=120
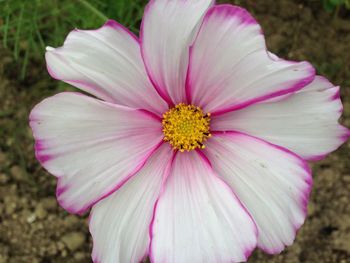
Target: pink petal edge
x=164 y=96
x=346 y=135
x=108 y=23
x=114 y=24
x=343 y=138
x=39 y=145
x=150 y=228
x=245 y=16
x=60 y=189
x=247 y=252
x=304 y=199
x=147 y=254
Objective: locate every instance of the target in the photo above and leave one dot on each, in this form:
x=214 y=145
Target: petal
x=119 y=224
x=271 y=182
x=167 y=30
x=107 y=63
x=305 y=123
x=93 y=147
x=198 y=218
x=230 y=67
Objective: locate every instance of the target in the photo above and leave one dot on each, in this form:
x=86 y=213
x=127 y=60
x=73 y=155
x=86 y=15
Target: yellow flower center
x=186 y=127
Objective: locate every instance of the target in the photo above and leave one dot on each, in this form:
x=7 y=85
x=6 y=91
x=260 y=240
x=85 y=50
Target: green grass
x=331 y=5
x=28 y=26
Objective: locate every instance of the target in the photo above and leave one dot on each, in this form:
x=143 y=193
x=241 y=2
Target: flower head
x=195 y=148
x=186 y=127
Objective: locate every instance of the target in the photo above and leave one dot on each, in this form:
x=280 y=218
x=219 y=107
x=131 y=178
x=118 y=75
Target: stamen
x=186 y=127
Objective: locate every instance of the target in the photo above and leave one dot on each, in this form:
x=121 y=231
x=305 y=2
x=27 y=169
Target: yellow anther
x=186 y=127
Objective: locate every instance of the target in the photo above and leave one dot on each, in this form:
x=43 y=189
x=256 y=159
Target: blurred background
x=34 y=229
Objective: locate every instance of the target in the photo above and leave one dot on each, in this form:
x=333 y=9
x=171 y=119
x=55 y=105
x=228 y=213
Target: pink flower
x=164 y=177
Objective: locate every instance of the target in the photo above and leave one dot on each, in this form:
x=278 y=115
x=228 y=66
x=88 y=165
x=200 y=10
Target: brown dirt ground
x=33 y=228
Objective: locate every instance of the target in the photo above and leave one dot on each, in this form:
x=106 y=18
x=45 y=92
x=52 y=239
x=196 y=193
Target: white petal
x=230 y=67
x=107 y=63
x=120 y=223
x=198 y=218
x=93 y=147
x=305 y=123
x=271 y=182
x=167 y=30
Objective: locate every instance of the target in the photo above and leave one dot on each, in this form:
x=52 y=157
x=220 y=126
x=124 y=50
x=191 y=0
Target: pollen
x=186 y=127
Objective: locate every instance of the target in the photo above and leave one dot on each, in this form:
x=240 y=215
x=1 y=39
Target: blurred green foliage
x=331 y=5
x=28 y=26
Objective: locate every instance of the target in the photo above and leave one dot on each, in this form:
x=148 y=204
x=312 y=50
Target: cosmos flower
x=194 y=145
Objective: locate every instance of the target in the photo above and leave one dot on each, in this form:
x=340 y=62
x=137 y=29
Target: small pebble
x=74 y=240
x=31 y=218
x=18 y=173
x=49 y=203
x=3 y=178
x=40 y=212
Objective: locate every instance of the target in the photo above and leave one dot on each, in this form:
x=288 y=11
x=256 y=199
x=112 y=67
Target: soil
x=33 y=228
